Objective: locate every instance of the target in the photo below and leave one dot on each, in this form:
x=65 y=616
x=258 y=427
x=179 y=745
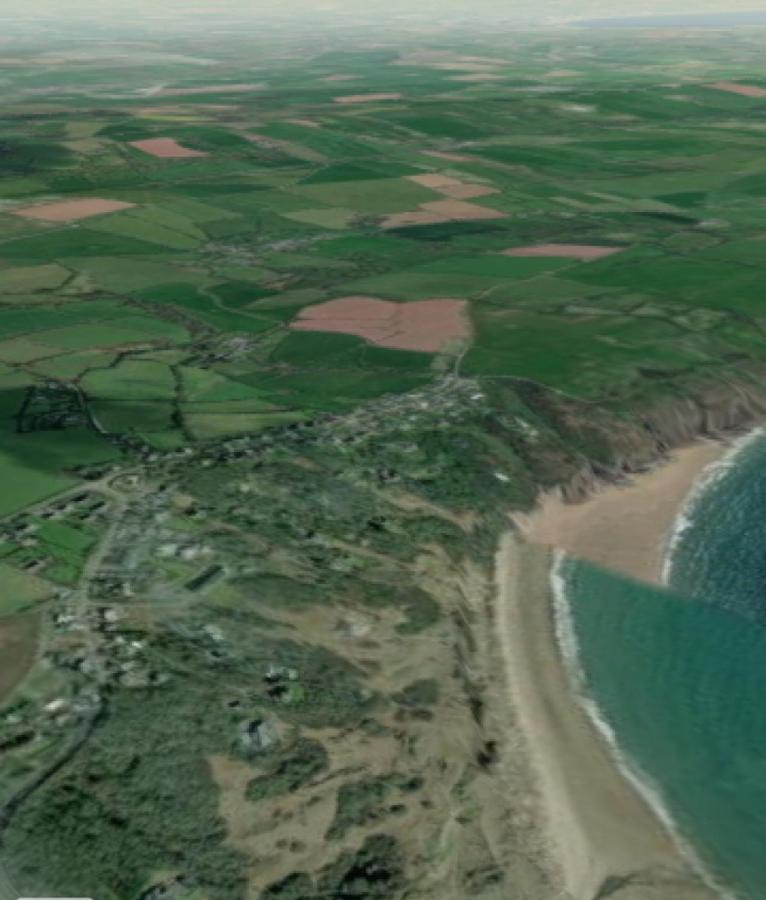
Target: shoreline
x=643 y=785
x=603 y=831
x=626 y=527
x=706 y=478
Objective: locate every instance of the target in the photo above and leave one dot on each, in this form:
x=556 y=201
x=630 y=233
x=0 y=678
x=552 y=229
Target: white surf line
x=643 y=784
x=711 y=474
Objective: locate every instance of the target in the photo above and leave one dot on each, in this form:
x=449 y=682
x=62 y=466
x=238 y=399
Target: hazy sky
x=527 y=9
x=91 y=19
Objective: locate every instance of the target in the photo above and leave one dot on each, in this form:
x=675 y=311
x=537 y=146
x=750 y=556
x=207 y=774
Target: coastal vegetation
x=268 y=397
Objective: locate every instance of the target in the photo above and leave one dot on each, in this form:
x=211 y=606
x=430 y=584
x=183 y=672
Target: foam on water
x=709 y=477
x=641 y=782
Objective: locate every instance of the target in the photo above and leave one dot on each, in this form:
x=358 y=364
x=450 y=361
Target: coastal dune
x=603 y=837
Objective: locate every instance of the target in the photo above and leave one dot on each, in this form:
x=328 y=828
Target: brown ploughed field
x=460 y=211
x=452 y=187
x=306 y=123
x=366 y=98
x=583 y=252
x=208 y=89
x=165 y=148
x=452 y=157
x=477 y=77
x=746 y=90
x=442 y=211
x=425 y=325
x=416 y=217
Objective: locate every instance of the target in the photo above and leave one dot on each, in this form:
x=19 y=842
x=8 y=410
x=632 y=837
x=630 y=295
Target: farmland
x=453 y=179
x=560 y=211
x=286 y=327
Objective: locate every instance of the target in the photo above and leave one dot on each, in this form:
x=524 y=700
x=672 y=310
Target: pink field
x=305 y=123
x=416 y=217
x=485 y=60
x=168 y=109
x=165 y=148
x=583 y=252
x=452 y=187
x=208 y=89
x=333 y=78
x=465 y=191
x=477 y=77
x=746 y=90
x=452 y=157
x=424 y=325
x=71 y=210
x=433 y=180
x=184 y=108
x=442 y=211
x=465 y=212
x=366 y=98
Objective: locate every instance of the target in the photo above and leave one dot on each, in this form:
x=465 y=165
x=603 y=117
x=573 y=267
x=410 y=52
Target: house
x=257 y=734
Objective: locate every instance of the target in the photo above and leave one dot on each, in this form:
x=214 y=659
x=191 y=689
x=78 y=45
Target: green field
x=230 y=246
x=19 y=590
x=275 y=683
x=32 y=278
x=34 y=467
x=131 y=380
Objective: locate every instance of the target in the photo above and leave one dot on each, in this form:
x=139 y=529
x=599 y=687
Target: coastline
x=626 y=527
x=603 y=831
x=706 y=478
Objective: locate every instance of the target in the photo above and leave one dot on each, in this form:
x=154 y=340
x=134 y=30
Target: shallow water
x=680 y=676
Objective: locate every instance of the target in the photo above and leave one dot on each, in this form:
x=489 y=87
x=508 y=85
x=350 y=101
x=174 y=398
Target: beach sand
x=624 y=527
x=603 y=838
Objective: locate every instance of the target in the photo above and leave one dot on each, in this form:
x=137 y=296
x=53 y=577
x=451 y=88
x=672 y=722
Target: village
x=226 y=574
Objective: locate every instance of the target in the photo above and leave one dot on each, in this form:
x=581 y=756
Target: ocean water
x=677 y=678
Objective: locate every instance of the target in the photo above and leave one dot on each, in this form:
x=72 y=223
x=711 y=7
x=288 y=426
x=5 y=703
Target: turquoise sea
x=679 y=675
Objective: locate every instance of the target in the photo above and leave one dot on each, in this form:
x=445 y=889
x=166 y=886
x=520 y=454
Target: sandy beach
x=602 y=836
x=624 y=527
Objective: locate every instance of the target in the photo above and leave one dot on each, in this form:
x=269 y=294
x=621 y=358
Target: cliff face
x=717 y=408
x=609 y=441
